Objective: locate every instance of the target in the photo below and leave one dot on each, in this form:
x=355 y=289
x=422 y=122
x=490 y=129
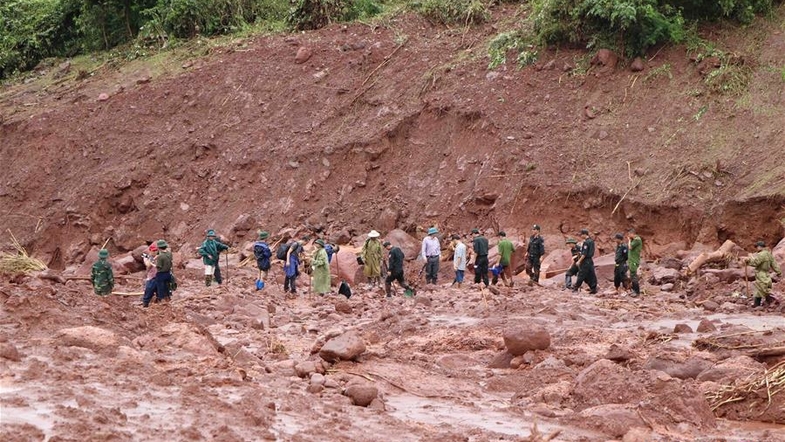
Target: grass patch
x=659 y=72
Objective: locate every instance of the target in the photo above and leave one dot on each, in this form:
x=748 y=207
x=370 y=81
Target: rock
x=501 y=360
x=361 y=394
x=408 y=244
x=93 y=338
x=305 y=368
x=524 y=338
x=729 y=370
x=126 y=264
x=605 y=57
x=688 y=369
x=9 y=351
x=423 y=300
x=515 y=362
x=314 y=388
x=638 y=434
x=303 y=54
x=605 y=382
x=667 y=287
x=682 y=328
x=612 y=419
x=663 y=275
x=377 y=404
x=346 y=347
x=618 y=354
x=710 y=305
x=637 y=65
x=706 y=326
x=103 y=96
x=285 y=368
x=387 y=221
x=331 y=383
x=344 y=307
x=317 y=379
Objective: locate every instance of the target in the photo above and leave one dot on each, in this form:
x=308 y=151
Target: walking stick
x=227 y=266
x=746 y=280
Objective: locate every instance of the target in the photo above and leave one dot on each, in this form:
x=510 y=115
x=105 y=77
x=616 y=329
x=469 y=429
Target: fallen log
x=721 y=254
x=87 y=278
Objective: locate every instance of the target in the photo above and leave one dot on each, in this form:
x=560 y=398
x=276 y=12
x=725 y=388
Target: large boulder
x=690 y=368
x=556 y=263
x=344 y=264
x=779 y=253
x=729 y=370
x=408 y=244
x=526 y=337
x=605 y=382
x=346 y=347
x=662 y=275
x=90 y=337
x=361 y=394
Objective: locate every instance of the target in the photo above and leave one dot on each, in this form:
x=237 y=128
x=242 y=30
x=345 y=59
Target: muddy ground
x=231 y=363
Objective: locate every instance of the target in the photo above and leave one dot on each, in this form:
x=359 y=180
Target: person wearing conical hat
x=764 y=263
x=163 y=274
x=101 y=274
x=372 y=256
x=210 y=251
x=431 y=251
x=321 y=269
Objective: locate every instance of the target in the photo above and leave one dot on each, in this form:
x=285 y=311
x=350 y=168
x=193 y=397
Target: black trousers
x=620 y=275
x=481 y=269
x=534 y=272
x=586 y=273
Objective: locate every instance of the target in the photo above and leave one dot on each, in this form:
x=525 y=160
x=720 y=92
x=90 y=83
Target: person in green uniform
x=321 y=269
x=210 y=251
x=506 y=250
x=372 y=256
x=634 y=246
x=764 y=263
x=101 y=274
x=163 y=274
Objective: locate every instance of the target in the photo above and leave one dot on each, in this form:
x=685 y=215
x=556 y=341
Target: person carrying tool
x=634 y=246
x=101 y=275
x=480 y=248
x=535 y=253
x=764 y=263
x=431 y=252
x=150 y=285
x=210 y=251
x=395 y=269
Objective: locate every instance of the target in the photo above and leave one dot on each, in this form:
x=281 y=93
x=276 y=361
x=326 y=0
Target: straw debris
x=756 y=388
x=19 y=262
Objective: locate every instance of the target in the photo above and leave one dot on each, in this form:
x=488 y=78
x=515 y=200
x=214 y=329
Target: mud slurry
x=231 y=364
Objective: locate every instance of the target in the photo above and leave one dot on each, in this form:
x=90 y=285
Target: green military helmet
x=161 y=244
x=103 y=253
x=210 y=232
x=571 y=241
x=263 y=234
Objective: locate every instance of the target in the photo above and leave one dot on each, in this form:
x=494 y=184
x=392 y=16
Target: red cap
x=153 y=247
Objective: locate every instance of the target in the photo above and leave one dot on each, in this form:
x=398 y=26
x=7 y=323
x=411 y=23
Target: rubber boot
x=568 y=282
x=388 y=290
x=757 y=302
x=208 y=280
x=771 y=300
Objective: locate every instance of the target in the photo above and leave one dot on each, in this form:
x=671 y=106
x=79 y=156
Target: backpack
x=262 y=254
x=329 y=249
x=172 y=283
x=283 y=249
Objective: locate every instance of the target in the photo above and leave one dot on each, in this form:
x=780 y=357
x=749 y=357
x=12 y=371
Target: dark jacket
x=536 y=247
x=587 y=250
x=395 y=261
x=621 y=254
x=163 y=262
x=480 y=246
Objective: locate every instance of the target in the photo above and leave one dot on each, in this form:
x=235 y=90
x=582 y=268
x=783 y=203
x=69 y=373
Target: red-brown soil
x=396 y=125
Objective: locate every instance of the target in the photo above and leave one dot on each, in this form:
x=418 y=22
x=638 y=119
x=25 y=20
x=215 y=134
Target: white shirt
x=431 y=247
x=459 y=259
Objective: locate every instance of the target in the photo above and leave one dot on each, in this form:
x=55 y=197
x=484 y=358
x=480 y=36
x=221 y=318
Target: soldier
x=764 y=262
x=634 y=260
x=586 y=264
x=535 y=253
x=506 y=250
x=431 y=253
x=101 y=274
x=480 y=248
x=163 y=274
x=575 y=250
x=620 y=268
x=395 y=270
x=210 y=251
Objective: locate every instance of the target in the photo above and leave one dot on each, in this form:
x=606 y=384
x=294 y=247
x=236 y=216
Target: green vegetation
x=31 y=30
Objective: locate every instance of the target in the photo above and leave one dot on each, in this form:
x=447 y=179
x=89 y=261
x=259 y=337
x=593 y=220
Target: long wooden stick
x=746 y=280
x=105 y=243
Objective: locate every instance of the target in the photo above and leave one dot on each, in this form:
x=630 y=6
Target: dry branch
x=721 y=254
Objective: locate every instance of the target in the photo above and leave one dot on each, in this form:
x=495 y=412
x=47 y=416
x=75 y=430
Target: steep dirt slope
x=399 y=125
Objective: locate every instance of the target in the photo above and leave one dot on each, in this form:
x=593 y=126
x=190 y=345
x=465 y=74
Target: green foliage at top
x=632 y=26
x=452 y=12
x=315 y=14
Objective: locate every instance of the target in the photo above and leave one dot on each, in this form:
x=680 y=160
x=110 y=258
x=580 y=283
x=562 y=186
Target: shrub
x=460 y=12
x=315 y=14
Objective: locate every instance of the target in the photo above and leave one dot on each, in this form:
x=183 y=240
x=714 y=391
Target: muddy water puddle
x=497 y=418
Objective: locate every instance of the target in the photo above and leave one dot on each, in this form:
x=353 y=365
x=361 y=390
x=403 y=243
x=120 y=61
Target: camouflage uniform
x=101 y=275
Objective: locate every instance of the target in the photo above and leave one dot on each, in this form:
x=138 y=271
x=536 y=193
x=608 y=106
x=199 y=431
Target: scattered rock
x=605 y=57
x=710 y=305
x=618 y=353
x=103 y=96
x=729 y=370
x=637 y=65
x=423 y=300
x=343 y=307
x=706 y=326
x=682 y=328
x=605 y=382
x=303 y=54
x=524 y=338
x=688 y=369
x=93 y=338
x=667 y=287
x=305 y=368
x=346 y=347
x=663 y=275
x=502 y=360
x=9 y=351
x=361 y=394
